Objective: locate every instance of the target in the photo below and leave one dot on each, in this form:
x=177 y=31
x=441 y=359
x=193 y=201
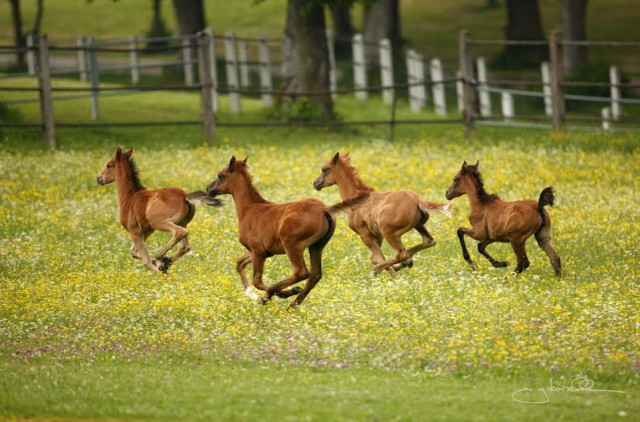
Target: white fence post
x=82 y=59
x=213 y=69
x=135 y=69
x=459 y=92
x=333 y=80
x=359 y=67
x=232 y=71
x=186 y=61
x=386 y=70
x=243 y=63
x=546 y=87
x=507 y=105
x=417 y=91
x=485 y=97
x=614 y=80
x=437 y=87
x=265 y=72
x=94 y=77
x=31 y=55
x=606 y=118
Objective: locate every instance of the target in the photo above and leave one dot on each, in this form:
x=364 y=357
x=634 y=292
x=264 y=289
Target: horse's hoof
x=296 y=290
x=263 y=300
x=502 y=264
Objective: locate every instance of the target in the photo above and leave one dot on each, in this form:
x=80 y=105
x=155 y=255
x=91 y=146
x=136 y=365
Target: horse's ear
x=118 y=153
x=335 y=158
x=129 y=153
x=245 y=159
x=477 y=163
x=464 y=165
x=347 y=156
x=232 y=163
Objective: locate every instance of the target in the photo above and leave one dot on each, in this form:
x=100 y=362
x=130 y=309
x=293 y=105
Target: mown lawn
x=87 y=332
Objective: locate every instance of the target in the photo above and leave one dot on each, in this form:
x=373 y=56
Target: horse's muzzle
x=317 y=184
x=100 y=180
x=212 y=192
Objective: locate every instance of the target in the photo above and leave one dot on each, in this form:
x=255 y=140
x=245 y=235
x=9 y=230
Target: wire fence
x=250 y=72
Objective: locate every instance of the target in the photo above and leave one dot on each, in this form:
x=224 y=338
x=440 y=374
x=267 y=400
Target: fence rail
x=427 y=81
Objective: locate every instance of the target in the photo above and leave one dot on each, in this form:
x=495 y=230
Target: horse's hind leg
x=521 y=255
x=315 y=274
x=482 y=246
x=543 y=237
x=178 y=234
x=300 y=272
x=427 y=242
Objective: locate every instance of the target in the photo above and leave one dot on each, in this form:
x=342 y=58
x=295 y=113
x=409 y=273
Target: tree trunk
x=523 y=24
x=381 y=20
x=37 y=23
x=343 y=30
x=158 y=29
x=573 y=25
x=18 y=36
x=190 y=16
x=306 y=55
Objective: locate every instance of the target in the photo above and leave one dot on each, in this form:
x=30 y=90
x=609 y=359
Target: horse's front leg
x=141 y=249
x=377 y=256
x=241 y=264
x=462 y=232
x=482 y=246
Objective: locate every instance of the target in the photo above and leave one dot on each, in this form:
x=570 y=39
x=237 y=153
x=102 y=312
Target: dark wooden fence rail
x=470 y=83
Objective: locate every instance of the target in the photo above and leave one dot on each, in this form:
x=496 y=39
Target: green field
x=87 y=332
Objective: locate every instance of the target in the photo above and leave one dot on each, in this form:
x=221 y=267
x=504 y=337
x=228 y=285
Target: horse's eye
x=325 y=170
x=110 y=165
x=220 y=176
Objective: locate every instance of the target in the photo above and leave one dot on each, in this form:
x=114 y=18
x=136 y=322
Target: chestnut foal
x=386 y=215
x=495 y=220
x=142 y=211
x=267 y=228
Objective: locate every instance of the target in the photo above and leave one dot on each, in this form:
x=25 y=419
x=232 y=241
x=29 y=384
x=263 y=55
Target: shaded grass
x=176 y=389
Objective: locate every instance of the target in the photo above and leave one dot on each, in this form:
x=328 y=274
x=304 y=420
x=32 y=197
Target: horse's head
x=327 y=177
x=460 y=184
x=221 y=184
x=108 y=175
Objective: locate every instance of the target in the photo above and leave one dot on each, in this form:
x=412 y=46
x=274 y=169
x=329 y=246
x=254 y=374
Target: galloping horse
x=495 y=220
x=142 y=211
x=267 y=228
x=386 y=215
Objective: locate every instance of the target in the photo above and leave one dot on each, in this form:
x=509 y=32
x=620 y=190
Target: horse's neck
x=349 y=184
x=125 y=186
x=245 y=196
x=474 y=198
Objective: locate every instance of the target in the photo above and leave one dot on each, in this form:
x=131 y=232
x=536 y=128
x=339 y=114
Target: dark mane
x=253 y=191
x=482 y=194
x=135 y=175
x=355 y=177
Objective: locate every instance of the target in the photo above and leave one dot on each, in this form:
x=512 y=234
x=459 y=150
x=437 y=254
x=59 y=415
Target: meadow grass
x=87 y=332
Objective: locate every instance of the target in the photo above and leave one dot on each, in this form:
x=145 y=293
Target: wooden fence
x=469 y=83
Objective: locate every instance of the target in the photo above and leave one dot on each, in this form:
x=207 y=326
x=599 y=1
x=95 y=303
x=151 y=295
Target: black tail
x=546 y=198
x=327 y=236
